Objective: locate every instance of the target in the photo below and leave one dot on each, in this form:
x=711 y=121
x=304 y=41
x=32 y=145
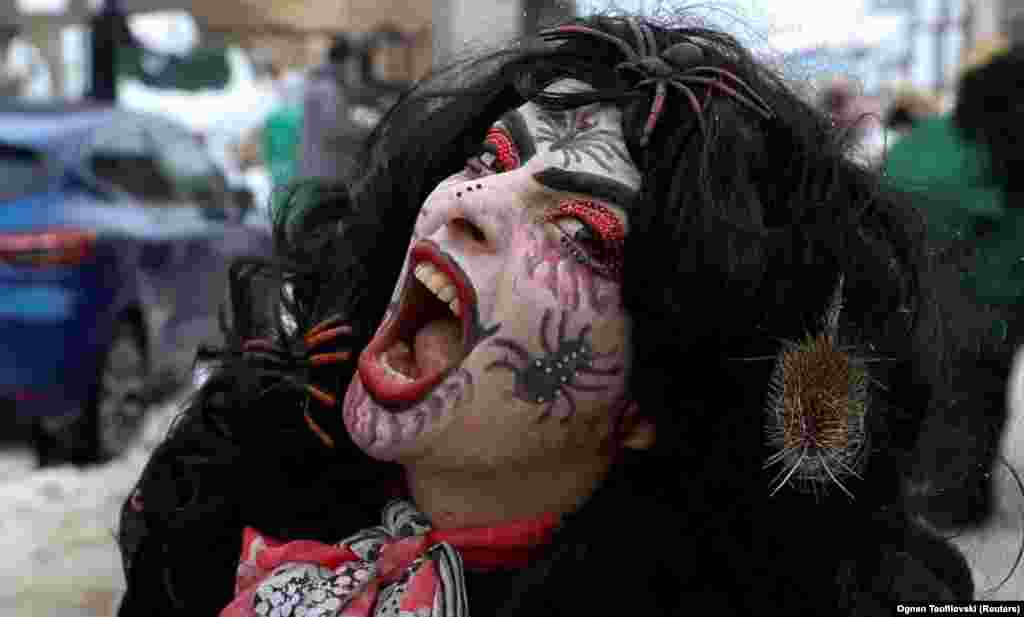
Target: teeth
x=447 y=293
x=440 y=285
x=424 y=270
x=438 y=280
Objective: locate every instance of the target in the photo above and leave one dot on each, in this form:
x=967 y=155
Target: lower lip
x=382 y=385
x=379 y=383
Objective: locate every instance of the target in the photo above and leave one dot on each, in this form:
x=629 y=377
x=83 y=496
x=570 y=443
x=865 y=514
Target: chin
x=411 y=376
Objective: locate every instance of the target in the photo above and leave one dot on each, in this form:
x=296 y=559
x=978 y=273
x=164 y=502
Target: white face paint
x=508 y=343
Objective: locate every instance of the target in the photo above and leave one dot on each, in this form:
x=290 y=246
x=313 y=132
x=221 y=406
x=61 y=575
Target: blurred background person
x=909 y=107
x=12 y=76
x=274 y=142
x=345 y=98
x=989 y=114
x=383 y=68
x=960 y=165
x=330 y=133
x=23 y=72
x=964 y=167
x=282 y=130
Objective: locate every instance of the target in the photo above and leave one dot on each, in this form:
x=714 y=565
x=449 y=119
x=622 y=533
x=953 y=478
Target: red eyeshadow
x=607 y=225
x=505 y=148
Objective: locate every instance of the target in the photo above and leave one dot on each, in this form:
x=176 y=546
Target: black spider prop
x=683 y=67
x=280 y=360
x=543 y=380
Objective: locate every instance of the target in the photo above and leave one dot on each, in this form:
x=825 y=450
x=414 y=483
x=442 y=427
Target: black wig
x=748 y=223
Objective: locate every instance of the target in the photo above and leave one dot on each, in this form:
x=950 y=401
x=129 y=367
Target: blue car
x=116 y=234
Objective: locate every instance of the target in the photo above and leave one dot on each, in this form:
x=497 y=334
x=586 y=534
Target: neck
x=459 y=498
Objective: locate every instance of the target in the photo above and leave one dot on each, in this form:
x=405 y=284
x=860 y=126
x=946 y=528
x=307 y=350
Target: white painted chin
x=386 y=435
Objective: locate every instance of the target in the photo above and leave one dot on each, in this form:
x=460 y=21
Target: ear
x=636 y=431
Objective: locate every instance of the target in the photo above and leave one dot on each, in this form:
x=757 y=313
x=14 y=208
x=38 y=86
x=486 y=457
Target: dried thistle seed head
x=816 y=409
x=815 y=394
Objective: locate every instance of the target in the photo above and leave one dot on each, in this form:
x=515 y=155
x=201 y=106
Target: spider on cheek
x=554 y=376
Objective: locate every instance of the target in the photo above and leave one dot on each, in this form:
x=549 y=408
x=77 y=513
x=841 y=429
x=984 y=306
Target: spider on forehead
x=575 y=133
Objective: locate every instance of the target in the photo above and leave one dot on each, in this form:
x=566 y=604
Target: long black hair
x=746 y=225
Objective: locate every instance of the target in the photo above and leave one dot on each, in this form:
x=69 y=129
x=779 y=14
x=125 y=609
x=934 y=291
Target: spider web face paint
x=586 y=140
x=576 y=133
x=567 y=274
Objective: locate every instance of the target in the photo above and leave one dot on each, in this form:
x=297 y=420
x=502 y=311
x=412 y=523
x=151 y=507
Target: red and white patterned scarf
x=402 y=568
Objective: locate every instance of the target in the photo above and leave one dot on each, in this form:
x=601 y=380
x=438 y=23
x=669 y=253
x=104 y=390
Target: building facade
x=463 y=26
x=925 y=53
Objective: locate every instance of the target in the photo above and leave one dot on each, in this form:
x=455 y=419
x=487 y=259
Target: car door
x=120 y=157
x=215 y=220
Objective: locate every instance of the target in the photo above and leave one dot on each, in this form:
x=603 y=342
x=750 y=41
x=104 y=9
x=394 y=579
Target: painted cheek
x=437 y=208
x=430 y=218
x=610 y=335
x=557 y=369
x=599 y=293
x=385 y=435
x=569 y=278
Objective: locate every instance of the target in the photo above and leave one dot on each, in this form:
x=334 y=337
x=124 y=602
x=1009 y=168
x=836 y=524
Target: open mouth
x=430 y=333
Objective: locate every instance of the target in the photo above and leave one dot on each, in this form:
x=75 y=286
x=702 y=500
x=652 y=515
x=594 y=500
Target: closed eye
x=591 y=233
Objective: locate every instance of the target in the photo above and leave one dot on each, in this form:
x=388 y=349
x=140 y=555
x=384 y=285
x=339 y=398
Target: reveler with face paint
x=610 y=325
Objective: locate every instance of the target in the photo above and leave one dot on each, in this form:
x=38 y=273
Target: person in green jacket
x=962 y=167
x=280 y=143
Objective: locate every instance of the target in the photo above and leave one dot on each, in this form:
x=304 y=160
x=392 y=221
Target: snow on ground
x=992 y=550
x=57 y=529
x=16 y=463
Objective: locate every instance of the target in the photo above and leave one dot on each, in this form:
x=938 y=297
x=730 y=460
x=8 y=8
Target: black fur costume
x=747 y=224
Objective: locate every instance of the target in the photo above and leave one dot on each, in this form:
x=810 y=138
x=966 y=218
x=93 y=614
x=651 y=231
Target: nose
x=477 y=214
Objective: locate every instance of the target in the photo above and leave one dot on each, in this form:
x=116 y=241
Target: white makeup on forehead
x=563 y=143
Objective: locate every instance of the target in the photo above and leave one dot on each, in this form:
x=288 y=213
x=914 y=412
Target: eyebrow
x=516 y=125
x=601 y=187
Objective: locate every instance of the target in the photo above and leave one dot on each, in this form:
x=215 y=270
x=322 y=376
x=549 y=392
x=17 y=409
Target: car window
x=22 y=172
x=119 y=155
x=191 y=170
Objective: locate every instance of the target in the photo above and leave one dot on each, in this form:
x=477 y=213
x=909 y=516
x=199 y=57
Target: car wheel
x=120 y=405
x=111 y=421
